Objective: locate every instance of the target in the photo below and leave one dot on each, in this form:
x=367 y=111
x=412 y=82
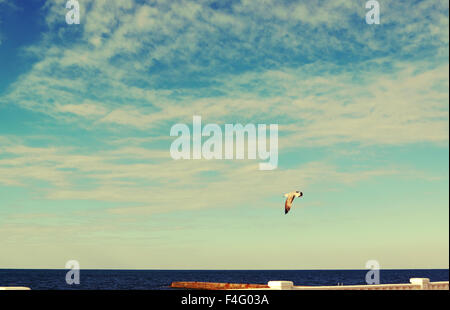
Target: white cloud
x=86 y=109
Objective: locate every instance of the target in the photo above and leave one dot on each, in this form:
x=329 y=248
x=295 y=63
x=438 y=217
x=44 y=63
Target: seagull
x=289 y=199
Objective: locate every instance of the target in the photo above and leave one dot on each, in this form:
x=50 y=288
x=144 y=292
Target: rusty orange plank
x=215 y=285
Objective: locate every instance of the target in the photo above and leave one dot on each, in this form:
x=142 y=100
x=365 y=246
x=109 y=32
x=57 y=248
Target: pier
x=217 y=286
x=415 y=284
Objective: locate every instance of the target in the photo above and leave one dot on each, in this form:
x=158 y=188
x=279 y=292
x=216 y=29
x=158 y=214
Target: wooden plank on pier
x=216 y=286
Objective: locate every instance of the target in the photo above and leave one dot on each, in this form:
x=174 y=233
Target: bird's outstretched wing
x=288 y=203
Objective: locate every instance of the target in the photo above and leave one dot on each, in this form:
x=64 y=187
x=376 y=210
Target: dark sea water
x=39 y=279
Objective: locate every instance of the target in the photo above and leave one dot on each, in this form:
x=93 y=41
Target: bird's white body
x=296 y=194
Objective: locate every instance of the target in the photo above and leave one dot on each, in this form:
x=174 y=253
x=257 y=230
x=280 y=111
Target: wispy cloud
x=119 y=67
x=311 y=68
x=147 y=180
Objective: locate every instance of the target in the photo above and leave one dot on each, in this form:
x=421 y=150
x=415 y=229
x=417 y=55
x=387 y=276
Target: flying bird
x=289 y=199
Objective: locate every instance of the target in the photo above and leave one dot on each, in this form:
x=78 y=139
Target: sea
x=42 y=279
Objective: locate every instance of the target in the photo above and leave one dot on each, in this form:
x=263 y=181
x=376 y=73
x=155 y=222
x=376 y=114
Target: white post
x=281 y=285
x=423 y=283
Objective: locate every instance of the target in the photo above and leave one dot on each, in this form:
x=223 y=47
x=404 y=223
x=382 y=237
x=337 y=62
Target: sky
x=86 y=112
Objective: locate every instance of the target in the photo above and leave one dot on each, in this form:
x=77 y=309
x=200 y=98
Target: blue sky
x=86 y=112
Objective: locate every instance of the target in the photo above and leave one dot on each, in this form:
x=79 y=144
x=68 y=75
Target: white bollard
x=281 y=285
x=423 y=283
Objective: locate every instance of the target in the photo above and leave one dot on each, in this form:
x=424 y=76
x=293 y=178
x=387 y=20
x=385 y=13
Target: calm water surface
x=160 y=279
